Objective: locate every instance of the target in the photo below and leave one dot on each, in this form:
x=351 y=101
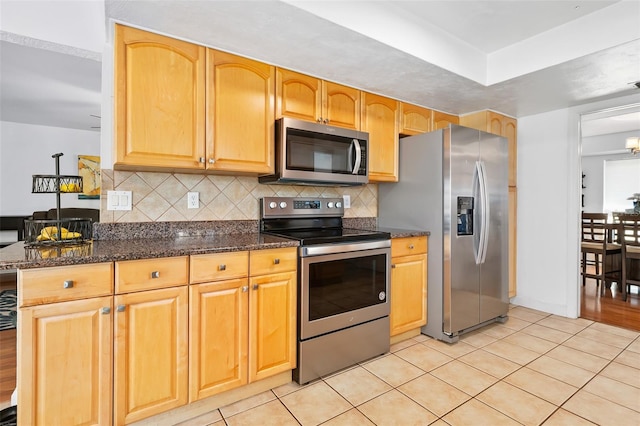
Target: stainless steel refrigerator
x=454 y=183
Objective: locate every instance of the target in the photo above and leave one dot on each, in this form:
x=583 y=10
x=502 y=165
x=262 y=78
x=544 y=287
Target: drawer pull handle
x=155 y=274
x=393 y=266
x=255 y=286
x=202 y=160
x=276 y=261
x=121 y=308
x=222 y=267
x=106 y=310
x=68 y=284
x=410 y=246
x=245 y=288
x=211 y=160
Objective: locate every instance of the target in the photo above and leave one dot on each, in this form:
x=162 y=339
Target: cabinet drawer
x=273 y=261
x=408 y=246
x=146 y=274
x=218 y=266
x=48 y=285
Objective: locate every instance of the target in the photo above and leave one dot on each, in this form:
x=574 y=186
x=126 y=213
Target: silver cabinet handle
x=319 y=120
x=410 y=246
x=255 y=286
x=106 y=310
x=202 y=160
x=326 y=121
x=222 y=267
x=276 y=261
x=68 y=284
x=121 y=308
x=245 y=288
x=211 y=161
x=155 y=274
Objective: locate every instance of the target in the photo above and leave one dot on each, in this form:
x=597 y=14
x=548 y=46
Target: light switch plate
x=119 y=200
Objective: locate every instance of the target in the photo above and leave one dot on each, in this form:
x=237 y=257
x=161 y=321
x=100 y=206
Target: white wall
x=549 y=208
x=26 y=150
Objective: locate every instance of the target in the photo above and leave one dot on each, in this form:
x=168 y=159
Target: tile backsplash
x=162 y=197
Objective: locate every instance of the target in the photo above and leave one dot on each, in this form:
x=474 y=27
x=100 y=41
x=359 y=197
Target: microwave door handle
x=356 y=167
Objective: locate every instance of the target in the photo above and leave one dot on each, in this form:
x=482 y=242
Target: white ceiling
x=539 y=55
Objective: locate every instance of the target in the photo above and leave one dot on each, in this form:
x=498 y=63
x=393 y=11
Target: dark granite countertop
x=402 y=233
x=17 y=256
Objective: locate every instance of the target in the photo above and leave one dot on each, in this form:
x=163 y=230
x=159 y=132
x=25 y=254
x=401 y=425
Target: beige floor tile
x=204 y=419
x=402 y=345
x=474 y=412
x=454 y=350
x=247 y=403
x=288 y=388
x=464 y=377
x=497 y=331
x=635 y=346
x=578 y=358
x=547 y=388
x=607 y=338
x=434 y=394
x=516 y=323
x=490 y=363
x=393 y=370
x=563 y=324
x=564 y=418
x=477 y=339
x=519 y=405
x=395 y=408
x=533 y=343
x=593 y=347
x=547 y=333
x=271 y=413
x=615 y=391
x=512 y=352
x=421 y=338
x=628 y=358
x=575 y=376
x=580 y=321
x=615 y=330
x=526 y=314
x=352 y=417
x=315 y=404
x=424 y=357
x=600 y=410
x=357 y=385
x=622 y=373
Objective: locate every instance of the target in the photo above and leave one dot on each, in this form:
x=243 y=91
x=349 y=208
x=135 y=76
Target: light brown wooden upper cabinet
x=240 y=114
x=380 y=117
x=159 y=101
x=312 y=99
x=442 y=120
x=498 y=124
x=415 y=119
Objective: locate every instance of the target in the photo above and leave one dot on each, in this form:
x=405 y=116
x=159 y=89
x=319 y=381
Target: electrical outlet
x=193 y=200
x=347 y=201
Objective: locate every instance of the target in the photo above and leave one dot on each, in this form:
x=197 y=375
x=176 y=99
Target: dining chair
x=600 y=240
x=629 y=235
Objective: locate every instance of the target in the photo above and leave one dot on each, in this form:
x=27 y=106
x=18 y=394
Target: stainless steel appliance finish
x=454 y=183
x=343 y=284
x=318 y=154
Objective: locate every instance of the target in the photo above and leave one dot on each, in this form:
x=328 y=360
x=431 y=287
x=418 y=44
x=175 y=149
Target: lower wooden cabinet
x=65 y=363
x=151 y=353
x=408 y=284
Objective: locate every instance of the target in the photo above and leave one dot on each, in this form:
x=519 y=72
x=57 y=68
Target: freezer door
x=494 y=271
x=461 y=305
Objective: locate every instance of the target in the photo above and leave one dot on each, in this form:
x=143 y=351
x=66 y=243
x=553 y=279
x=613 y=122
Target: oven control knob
x=338 y=205
x=330 y=204
x=273 y=205
x=283 y=204
x=382 y=295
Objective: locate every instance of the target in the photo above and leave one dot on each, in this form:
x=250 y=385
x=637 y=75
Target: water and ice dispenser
x=465 y=216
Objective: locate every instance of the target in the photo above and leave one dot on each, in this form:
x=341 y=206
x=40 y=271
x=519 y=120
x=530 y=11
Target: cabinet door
x=240 y=114
x=442 y=120
x=298 y=96
x=408 y=293
x=151 y=353
x=380 y=118
x=159 y=100
x=510 y=131
x=272 y=325
x=415 y=119
x=218 y=337
x=65 y=363
x=341 y=105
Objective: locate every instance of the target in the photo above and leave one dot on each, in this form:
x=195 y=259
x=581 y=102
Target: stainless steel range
x=343 y=284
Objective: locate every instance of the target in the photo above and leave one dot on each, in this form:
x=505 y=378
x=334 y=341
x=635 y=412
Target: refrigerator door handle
x=484 y=211
x=478 y=231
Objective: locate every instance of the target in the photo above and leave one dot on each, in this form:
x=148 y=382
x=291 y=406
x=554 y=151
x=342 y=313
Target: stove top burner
x=327 y=236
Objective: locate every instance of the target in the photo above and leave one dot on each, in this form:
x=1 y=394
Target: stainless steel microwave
x=309 y=153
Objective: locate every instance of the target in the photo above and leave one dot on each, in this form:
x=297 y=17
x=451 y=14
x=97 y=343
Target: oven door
x=340 y=290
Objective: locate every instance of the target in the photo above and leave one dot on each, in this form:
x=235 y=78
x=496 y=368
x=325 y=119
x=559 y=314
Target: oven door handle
x=319 y=250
